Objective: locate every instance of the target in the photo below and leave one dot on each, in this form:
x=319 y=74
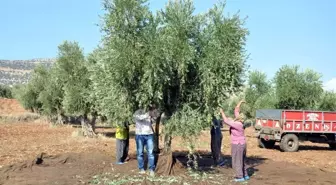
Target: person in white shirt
x=144 y=137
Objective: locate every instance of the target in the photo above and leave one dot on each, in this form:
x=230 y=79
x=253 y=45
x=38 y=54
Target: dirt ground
x=70 y=159
x=10 y=107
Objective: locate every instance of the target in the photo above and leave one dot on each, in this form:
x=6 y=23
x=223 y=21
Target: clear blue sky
x=282 y=32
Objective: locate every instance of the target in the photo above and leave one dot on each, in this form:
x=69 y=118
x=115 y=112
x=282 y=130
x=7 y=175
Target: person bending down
x=238 y=143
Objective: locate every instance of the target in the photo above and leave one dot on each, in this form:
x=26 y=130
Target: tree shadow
x=305 y=148
x=96 y=127
x=206 y=163
x=308 y=147
x=111 y=134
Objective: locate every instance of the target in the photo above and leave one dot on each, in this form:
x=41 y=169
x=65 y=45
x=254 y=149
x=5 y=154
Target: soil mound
x=167 y=164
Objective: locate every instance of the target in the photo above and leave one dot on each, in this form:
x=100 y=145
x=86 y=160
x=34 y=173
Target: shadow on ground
x=306 y=148
x=206 y=164
x=111 y=134
x=205 y=161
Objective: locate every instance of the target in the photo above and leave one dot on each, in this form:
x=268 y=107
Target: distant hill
x=14 y=72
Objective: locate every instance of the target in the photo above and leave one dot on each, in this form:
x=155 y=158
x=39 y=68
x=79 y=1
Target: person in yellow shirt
x=122 y=142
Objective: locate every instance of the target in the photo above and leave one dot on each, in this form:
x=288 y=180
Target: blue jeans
x=141 y=142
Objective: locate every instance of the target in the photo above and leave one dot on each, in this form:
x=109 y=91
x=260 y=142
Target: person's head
x=241 y=118
x=151 y=110
x=214 y=118
x=126 y=124
x=151 y=107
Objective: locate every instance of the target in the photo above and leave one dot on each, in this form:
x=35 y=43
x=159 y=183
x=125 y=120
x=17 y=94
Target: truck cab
x=289 y=127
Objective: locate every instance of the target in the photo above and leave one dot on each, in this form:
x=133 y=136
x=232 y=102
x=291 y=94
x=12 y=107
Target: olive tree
x=118 y=65
x=185 y=64
x=64 y=90
x=28 y=94
x=71 y=71
x=179 y=58
x=259 y=93
x=327 y=101
x=210 y=62
x=297 y=90
x=51 y=97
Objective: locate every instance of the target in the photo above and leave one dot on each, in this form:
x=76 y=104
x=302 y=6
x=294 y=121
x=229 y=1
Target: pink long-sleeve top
x=236 y=128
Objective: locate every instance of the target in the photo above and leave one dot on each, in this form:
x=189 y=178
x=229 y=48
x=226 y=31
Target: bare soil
x=10 y=107
x=70 y=159
x=82 y=169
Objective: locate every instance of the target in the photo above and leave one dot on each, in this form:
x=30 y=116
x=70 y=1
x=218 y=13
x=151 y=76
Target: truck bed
x=297 y=120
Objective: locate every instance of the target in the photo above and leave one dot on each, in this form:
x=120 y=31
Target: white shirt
x=143 y=124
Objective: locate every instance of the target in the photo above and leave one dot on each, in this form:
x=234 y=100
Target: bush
x=5 y=92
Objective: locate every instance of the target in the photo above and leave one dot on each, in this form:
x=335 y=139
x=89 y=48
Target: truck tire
x=332 y=146
x=265 y=144
x=289 y=143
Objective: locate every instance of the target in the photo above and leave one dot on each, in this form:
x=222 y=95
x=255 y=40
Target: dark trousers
x=238 y=152
x=216 y=145
x=122 y=149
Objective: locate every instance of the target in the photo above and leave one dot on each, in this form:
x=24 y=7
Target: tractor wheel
x=265 y=144
x=332 y=146
x=289 y=143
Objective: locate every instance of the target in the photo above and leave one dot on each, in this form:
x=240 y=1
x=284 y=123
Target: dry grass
x=25 y=117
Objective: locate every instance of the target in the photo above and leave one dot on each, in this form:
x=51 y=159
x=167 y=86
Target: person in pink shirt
x=238 y=143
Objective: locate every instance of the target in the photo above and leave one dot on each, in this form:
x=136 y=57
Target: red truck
x=291 y=126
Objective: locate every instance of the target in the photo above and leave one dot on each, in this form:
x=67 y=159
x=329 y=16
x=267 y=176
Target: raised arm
x=237 y=109
x=230 y=122
x=141 y=116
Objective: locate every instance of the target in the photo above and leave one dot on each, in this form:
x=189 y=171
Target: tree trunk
x=156 y=135
x=58 y=119
x=103 y=119
x=87 y=127
x=167 y=143
x=93 y=121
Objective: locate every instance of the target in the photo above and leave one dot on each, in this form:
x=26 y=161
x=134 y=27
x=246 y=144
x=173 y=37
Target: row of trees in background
x=259 y=92
x=187 y=64
x=289 y=89
x=62 y=90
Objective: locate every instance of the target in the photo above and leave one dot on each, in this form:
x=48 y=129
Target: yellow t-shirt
x=121 y=133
